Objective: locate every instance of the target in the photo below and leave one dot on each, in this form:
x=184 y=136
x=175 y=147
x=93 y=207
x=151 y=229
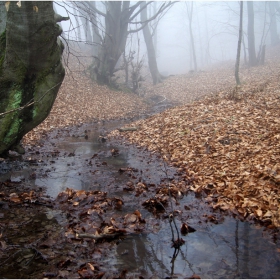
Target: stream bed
x=82 y=159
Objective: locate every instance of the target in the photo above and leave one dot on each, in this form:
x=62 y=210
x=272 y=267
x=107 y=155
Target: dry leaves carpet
x=81 y=101
x=224 y=138
x=228 y=143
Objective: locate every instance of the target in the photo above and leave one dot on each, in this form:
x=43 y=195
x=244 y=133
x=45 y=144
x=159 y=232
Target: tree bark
x=119 y=15
x=274 y=38
x=96 y=38
x=190 y=15
x=239 y=45
x=79 y=36
x=83 y=14
x=152 y=61
x=114 y=42
x=251 y=35
x=31 y=70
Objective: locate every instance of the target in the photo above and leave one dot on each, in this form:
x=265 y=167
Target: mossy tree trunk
x=31 y=70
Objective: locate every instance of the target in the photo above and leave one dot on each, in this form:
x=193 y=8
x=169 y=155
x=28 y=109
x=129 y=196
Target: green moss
x=13 y=131
x=3 y=40
x=35 y=112
x=2 y=50
x=10 y=123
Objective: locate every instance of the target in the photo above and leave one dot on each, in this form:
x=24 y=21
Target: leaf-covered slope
x=232 y=150
x=82 y=101
x=227 y=142
x=230 y=146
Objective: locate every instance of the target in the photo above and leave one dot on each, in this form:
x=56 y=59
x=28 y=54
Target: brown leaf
x=185 y=229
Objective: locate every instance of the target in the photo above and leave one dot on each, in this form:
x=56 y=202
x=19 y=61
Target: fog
x=215 y=28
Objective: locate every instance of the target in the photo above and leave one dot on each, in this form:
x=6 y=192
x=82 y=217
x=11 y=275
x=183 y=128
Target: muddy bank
x=122 y=190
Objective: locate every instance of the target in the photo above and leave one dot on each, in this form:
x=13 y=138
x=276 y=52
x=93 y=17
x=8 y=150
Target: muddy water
x=228 y=249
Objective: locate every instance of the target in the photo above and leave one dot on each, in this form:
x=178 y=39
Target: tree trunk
x=31 y=71
x=113 y=44
x=274 y=39
x=239 y=45
x=79 y=37
x=190 y=15
x=244 y=50
x=152 y=61
x=118 y=15
x=251 y=35
x=155 y=33
x=3 y=17
x=96 y=38
x=83 y=13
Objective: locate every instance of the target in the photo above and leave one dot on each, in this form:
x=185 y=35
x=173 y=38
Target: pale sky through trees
x=215 y=30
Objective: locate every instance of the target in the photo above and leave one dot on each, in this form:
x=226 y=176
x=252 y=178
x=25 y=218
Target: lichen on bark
x=31 y=70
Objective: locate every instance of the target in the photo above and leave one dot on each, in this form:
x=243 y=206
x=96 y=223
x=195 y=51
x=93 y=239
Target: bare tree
x=119 y=18
x=274 y=38
x=251 y=34
x=152 y=61
x=239 y=45
x=189 y=6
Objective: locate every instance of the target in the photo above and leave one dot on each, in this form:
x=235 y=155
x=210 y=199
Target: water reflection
x=233 y=249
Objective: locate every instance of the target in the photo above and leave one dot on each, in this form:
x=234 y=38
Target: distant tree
x=119 y=18
x=189 y=6
x=274 y=38
x=239 y=44
x=251 y=34
x=152 y=61
x=262 y=47
x=84 y=17
x=96 y=38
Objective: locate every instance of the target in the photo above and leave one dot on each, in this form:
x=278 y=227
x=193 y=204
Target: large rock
x=31 y=70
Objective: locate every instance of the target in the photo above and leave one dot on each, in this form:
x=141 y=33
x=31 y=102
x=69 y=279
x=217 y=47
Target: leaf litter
x=224 y=143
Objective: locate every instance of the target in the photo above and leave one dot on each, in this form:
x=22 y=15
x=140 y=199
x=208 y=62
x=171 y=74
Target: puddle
x=230 y=249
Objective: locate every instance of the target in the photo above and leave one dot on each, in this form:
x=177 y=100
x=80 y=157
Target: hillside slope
x=227 y=145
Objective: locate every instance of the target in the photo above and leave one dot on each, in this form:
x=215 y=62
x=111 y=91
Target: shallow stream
x=226 y=249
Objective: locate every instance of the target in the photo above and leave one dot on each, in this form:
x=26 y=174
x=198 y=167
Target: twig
x=2 y=263
x=98 y=237
x=161 y=100
x=170 y=221
x=37 y=252
x=171 y=216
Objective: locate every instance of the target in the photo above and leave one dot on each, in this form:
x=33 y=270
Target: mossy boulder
x=31 y=69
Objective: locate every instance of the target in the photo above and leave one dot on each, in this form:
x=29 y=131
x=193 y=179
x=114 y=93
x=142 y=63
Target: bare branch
x=144 y=23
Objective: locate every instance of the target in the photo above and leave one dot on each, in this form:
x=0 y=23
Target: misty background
x=214 y=25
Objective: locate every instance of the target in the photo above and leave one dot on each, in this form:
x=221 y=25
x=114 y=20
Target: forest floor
x=219 y=141
x=222 y=137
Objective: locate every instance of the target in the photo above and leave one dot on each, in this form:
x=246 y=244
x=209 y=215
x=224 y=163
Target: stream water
x=229 y=249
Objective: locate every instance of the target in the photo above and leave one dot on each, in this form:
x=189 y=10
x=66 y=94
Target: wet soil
x=40 y=216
